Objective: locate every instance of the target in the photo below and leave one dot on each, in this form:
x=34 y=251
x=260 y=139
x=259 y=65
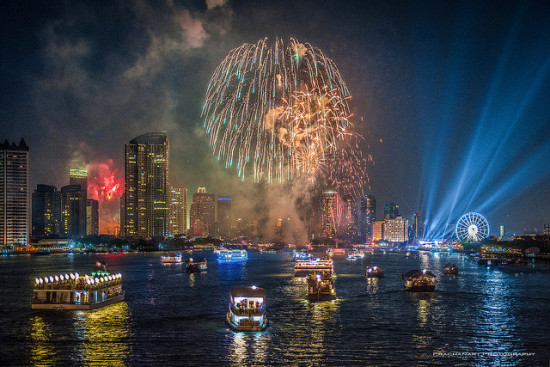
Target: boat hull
x=320 y=297
x=71 y=307
x=421 y=288
x=246 y=324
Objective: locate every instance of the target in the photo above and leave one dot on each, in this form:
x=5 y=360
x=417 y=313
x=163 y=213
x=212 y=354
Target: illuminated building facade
x=46 y=211
x=367 y=216
x=378 y=230
x=178 y=210
x=92 y=217
x=15 y=197
x=331 y=214
x=80 y=177
x=203 y=213
x=349 y=217
x=391 y=211
x=396 y=230
x=417 y=226
x=146 y=193
x=70 y=211
x=224 y=216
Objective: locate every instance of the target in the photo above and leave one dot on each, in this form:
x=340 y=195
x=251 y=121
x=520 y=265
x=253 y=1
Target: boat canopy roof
x=418 y=272
x=255 y=292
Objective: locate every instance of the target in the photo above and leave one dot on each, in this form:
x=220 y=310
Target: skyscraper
x=46 y=211
x=331 y=214
x=349 y=217
x=367 y=216
x=71 y=202
x=178 y=210
x=417 y=227
x=92 y=217
x=391 y=211
x=146 y=199
x=203 y=213
x=79 y=177
x=14 y=193
x=396 y=230
x=224 y=216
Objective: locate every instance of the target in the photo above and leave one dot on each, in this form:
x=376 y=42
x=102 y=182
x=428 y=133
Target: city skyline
x=453 y=112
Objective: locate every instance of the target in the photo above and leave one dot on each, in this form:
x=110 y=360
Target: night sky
x=452 y=97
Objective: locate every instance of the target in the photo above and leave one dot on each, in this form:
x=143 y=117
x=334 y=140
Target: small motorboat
x=169 y=259
x=420 y=281
x=320 y=286
x=196 y=265
x=247 y=309
x=374 y=272
x=450 y=269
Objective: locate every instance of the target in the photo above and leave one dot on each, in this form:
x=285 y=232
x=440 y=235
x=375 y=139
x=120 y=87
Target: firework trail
x=281 y=110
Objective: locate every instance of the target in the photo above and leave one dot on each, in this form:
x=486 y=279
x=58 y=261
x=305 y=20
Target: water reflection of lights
x=422 y=338
x=372 y=285
x=107 y=334
x=249 y=348
x=42 y=349
x=191 y=280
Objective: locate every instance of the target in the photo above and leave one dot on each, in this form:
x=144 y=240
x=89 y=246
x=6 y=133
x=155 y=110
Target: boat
x=100 y=267
x=450 y=269
x=320 y=286
x=488 y=262
x=168 y=259
x=196 y=265
x=374 y=272
x=74 y=292
x=247 y=309
x=231 y=255
x=301 y=255
x=314 y=265
x=420 y=281
x=355 y=255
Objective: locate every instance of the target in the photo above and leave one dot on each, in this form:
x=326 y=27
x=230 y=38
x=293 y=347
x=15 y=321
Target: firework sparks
x=279 y=109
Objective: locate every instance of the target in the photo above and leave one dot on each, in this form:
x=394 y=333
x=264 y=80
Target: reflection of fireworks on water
x=280 y=109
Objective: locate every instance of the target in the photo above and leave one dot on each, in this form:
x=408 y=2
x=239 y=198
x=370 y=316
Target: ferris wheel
x=472 y=227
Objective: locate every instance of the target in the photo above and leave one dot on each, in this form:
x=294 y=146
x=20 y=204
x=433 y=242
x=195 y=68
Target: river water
x=482 y=317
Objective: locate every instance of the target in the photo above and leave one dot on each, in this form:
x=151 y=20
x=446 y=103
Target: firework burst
x=277 y=111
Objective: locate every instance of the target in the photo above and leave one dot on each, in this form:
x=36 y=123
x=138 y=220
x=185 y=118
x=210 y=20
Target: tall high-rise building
x=178 y=210
x=79 y=176
x=46 y=211
x=146 y=199
x=417 y=226
x=378 y=230
x=71 y=202
x=15 y=193
x=224 y=216
x=203 y=213
x=391 y=211
x=331 y=214
x=396 y=230
x=92 y=217
x=349 y=217
x=367 y=216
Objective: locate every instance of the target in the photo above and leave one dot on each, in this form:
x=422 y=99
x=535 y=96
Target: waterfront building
x=79 y=176
x=178 y=211
x=378 y=230
x=391 y=211
x=417 y=227
x=70 y=211
x=224 y=216
x=92 y=217
x=15 y=197
x=349 y=217
x=46 y=211
x=367 y=216
x=146 y=194
x=331 y=214
x=396 y=230
x=203 y=213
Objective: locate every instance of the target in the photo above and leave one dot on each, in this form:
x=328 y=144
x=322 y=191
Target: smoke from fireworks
x=281 y=110
x=106 y=186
